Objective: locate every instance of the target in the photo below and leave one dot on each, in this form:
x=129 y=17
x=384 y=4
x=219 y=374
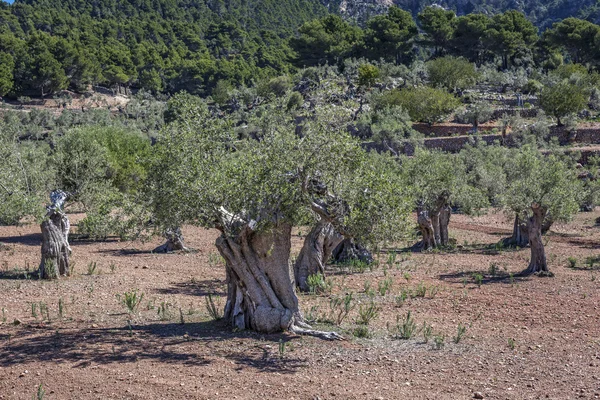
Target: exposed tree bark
x=316 y=251
x=520 y=235
x=538 y=263
x=426 y=227
x=260 y=293
x=433 y=224
x=349 y=250
x=445 y=213
x=174 y=242
x=55 y=239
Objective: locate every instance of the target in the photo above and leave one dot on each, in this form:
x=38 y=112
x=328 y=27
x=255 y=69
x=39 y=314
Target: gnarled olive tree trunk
x=349 y=250
x=316 y=251
x=520 y=234
x=174 y=241
x=433 y=224
x=538 y=262
x=260 y=291
x=55 y=239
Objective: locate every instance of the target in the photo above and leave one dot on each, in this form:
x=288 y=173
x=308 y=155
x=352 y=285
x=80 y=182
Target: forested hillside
x=161 y=45
x=210 y=47
x=540 y=12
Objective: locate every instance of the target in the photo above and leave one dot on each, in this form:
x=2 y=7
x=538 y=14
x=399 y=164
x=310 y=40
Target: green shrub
x=452 y=73
x=423 y=104
x=367 y=75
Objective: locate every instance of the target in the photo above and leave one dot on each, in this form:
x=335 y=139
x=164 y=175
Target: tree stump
x=55 y=239
x=174 y=242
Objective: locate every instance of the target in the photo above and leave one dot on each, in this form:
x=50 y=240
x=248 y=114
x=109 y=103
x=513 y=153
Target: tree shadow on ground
x=487 y=249
x=196 y=288
x=590 y=264
x=188 y=344
x=29 y=239
x=19 y=275
x=480 y=277
x=587 y=244
x=124 y=252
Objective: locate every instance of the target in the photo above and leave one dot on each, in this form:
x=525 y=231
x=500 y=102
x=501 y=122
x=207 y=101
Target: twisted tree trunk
x=520 y=234
x=433 y=224
x=316 y=251
x=55 y=239
x=349 y=250
x=427 y=232
x=538 y=263
x=260 y=293
x=174 y=242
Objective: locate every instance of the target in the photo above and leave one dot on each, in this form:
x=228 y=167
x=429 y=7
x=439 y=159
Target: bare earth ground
x=92 y=352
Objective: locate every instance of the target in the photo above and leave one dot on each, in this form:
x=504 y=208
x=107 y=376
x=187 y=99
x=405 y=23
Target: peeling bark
x=55 y=239
x=316 y=251
x=174 y=242
x=260 y=293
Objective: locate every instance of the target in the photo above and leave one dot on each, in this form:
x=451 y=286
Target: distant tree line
x=508 y=38
x=205 y=48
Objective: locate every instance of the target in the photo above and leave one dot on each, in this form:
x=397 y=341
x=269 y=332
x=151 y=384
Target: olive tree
x=26 y=177
x=369 y=205
x=452 y=73
x=562 y=99
x=101 y=167
x=540 y=186
x=438 y=182
x=253 y=192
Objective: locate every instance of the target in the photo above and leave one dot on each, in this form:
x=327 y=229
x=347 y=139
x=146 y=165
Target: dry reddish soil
x=526 y=337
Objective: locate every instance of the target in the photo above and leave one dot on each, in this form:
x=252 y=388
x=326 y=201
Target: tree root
x=169 y=248
x=301 y=328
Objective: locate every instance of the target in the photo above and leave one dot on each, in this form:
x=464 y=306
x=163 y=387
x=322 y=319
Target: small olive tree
x=438 y=182
x=540 y=186
x=562 y=99
x=369 y=205
x=26 y=178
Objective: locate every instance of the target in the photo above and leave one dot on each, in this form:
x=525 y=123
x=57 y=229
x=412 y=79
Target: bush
x=452 y=73
x=533 y=87
x=423 y=104
x=563 y=99
x=367 y=75
x=477 y=113
x=295 y=101
x=277 y=86
x=392 y=127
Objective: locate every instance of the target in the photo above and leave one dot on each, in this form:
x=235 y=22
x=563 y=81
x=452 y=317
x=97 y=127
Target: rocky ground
x=524 y=337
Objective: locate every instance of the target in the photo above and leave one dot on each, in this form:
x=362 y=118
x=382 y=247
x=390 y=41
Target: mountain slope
x=542 y=12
